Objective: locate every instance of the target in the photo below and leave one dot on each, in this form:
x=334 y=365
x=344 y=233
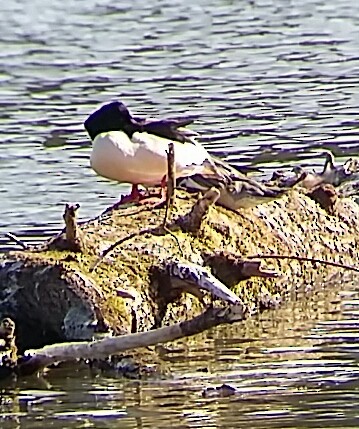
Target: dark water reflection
x=269 y=81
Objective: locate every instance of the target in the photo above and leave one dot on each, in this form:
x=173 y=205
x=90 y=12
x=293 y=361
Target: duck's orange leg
x=134 y=197
x=157 y=200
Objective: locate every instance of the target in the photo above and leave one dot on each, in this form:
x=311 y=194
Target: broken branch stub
x=326 y=196
x=232 y=269
x=193 y=220
x=195 y=276
x=72 y=237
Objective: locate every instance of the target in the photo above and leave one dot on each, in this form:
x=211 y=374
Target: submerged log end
x=219 y=391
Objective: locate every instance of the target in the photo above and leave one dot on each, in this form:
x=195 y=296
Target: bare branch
x=16 y=240
x=37 y=359
x=305 y=259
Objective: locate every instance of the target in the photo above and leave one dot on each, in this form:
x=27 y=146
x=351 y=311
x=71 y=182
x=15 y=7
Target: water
x=295 y=367
x=272 y=83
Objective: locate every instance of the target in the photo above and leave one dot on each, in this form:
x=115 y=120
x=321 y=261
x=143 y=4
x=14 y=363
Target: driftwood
x=128 y=273
x=34 y=360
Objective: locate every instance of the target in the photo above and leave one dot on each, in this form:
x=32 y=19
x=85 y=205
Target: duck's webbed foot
x=134 y=197
x=153 y=200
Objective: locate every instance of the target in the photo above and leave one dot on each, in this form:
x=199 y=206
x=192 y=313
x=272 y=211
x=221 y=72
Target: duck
x=130 y=149
x=331 y=174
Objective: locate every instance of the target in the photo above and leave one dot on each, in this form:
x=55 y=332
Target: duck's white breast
x=142 y=159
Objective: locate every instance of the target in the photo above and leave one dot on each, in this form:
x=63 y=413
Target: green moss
x=293 y=225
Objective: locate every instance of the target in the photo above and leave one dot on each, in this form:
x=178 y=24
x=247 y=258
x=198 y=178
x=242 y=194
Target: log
x=57 y=293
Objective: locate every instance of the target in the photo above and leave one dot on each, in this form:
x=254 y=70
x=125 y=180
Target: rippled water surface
x=294 y=367
x=271 y=83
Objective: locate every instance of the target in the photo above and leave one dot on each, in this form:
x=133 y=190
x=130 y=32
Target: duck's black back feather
x=169 y=128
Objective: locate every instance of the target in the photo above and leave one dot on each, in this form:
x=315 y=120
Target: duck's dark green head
x=110 y=117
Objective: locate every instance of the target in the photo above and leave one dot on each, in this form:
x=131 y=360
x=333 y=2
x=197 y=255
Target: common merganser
x=134 y=150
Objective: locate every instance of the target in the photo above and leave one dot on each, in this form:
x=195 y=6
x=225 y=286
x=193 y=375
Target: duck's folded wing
x=200 y=182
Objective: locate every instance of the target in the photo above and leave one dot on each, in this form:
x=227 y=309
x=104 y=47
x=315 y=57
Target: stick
x=17 y=240
x=305 y=259
x=40 y=358
x=171 y=182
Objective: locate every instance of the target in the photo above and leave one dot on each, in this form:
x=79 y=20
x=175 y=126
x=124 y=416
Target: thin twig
x=305 y=259
x=175 y=238
x=171 y=182
x=17 y=240
x=117 y=243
